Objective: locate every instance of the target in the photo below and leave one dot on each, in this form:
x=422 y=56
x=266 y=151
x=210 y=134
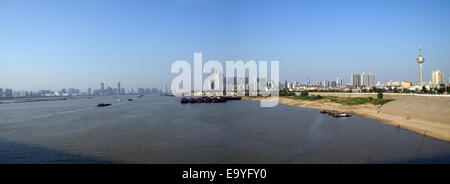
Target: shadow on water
x=434 y=159
x=19 y=153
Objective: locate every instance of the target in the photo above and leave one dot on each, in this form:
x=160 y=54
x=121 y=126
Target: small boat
x=184 y=100
x=140 y=96
x=167 y=94
x=103 y=105
x=338 y=115
x=130 y=99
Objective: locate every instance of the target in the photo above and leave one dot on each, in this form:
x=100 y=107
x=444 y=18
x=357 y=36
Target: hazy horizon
x=49 y=44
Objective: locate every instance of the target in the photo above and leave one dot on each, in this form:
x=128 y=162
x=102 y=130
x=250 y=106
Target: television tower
x=420 y=60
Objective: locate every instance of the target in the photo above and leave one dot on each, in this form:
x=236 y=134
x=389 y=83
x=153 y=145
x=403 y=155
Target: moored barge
x=336 y=114
x=205 y=99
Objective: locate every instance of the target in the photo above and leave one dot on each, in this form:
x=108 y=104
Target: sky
x=54 y=44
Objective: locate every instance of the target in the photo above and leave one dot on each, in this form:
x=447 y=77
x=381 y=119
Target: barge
x=103 y=105
x=205 y=99
x=336 y=114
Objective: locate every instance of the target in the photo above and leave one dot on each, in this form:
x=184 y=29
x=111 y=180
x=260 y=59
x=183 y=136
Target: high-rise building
x=109 y=91
x=89 y=91
x=285 y=84
x=102 y=88
x=318 y=83
x=364 y=79
x=437 y=77
x=371 y=78
x=326 y=83
x=356 y=80
x=218 y=82
x=333 y=83
x=118 y=88
x=339 y=82
x=8 y=93
x=367 y=79
x=72 y=91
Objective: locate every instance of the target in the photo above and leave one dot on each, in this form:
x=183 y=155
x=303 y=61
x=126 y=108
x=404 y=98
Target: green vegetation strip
x=310 y=98
x=344 y=101
x=360 y=100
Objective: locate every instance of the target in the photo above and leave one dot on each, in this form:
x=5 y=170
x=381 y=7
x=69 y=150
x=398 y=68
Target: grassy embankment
x=335 y=99
x=339 y=100
x=343 y=100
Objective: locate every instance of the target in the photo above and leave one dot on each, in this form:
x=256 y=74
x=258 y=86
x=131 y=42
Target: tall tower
x=102 y=88
x=420 y=60
x=118 y=88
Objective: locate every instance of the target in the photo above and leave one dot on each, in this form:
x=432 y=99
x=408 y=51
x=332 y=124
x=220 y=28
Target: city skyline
x=313 y=41
x=356 y=80
x=100 y=90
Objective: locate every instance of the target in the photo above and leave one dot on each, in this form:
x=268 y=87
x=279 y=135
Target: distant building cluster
x=325 y=85
x=102 y=91
x=359 y=82
x=363 y=80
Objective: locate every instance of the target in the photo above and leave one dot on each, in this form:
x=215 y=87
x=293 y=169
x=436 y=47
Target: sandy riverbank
x=428 y=116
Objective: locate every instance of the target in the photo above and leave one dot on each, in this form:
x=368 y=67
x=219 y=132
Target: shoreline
x=422 y=126
x=39 y=99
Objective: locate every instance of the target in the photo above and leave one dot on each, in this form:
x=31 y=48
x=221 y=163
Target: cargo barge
x=205 y=99
x=336 y=114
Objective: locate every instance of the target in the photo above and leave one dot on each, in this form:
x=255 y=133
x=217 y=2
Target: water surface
x=158 y=129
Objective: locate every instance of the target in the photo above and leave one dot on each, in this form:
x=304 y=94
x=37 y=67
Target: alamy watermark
x=234 y=82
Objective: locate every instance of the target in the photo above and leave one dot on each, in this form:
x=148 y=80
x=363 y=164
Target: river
x=158 y=129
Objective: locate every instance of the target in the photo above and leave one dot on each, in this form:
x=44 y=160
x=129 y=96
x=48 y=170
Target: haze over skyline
x=61 y=44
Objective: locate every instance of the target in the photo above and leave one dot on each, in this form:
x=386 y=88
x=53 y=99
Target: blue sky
x=80 y=43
